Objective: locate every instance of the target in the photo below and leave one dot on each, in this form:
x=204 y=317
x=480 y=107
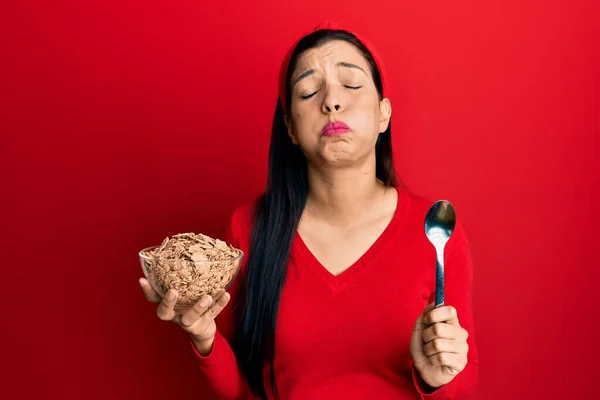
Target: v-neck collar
x=337 y=282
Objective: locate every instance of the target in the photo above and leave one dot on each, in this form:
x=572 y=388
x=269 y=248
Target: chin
x=338 y=158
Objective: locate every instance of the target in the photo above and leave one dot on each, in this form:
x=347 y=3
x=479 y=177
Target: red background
x=126 y=121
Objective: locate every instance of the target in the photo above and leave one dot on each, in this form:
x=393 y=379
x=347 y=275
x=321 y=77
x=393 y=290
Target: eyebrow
x=312 y=71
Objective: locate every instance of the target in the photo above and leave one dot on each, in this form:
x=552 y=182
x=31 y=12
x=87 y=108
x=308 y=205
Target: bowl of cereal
x=193 y=264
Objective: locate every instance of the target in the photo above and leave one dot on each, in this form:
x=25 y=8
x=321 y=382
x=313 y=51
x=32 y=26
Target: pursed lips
x=335 y=128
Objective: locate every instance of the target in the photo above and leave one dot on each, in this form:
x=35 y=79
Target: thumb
x=426 y=310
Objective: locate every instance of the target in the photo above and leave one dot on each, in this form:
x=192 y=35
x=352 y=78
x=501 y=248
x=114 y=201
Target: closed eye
x=308 y=96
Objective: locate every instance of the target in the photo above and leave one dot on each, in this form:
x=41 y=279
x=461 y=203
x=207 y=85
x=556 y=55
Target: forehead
x=333 y=51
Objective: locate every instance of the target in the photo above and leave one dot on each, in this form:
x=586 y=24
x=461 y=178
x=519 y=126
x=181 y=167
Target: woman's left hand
x=438 y=345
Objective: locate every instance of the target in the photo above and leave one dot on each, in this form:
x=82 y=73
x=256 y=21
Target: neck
x=340 y=195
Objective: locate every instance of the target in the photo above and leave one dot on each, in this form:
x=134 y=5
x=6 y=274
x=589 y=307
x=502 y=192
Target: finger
x=445 y=314
x=444 y=331
x=456 y=362
x=192 y=315
x=176 y=319
x=428 y=308
x=419 y=323
x=216 y=309
x=445 y=346
x=149 y=293
x=218 y=295
x=166 y=307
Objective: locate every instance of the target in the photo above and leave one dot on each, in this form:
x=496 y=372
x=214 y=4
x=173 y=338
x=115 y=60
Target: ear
x=385 y=113
x=290 y=129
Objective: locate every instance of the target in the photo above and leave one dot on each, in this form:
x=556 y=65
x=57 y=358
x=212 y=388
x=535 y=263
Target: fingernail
x=205 y=302
x=170 y=295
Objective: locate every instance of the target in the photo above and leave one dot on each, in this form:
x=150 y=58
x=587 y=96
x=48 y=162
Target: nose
x=331 y=101
x=329 y=108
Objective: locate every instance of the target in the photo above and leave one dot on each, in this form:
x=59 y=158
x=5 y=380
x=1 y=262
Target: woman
x=332 y=300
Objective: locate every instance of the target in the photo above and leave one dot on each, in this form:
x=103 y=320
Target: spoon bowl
x=439 y=226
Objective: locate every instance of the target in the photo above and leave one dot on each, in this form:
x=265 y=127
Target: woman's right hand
x=198 y=321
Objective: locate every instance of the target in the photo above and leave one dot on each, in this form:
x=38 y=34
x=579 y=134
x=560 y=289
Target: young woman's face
x=333 y=84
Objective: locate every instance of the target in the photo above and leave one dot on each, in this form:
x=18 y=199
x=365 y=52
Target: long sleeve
x=458 y=274
x=221 y=377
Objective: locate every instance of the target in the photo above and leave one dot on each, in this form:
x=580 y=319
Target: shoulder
x=414 y=205
x=241 y=221
x=417 y=206
x=243 y=215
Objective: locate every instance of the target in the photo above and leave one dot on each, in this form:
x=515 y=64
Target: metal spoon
x=439 y=225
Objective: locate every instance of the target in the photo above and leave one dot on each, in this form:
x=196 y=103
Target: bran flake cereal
x=193 y=264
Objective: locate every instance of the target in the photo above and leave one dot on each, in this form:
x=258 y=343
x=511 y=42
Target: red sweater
x=347 y=336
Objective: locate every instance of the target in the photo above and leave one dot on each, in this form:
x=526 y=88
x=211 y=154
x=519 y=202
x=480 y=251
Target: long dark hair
x=276 y=218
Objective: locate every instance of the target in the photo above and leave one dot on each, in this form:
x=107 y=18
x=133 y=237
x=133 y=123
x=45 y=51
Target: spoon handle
x=439 y=283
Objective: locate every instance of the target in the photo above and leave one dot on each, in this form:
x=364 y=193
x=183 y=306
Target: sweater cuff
x=461 y=387
x=215 y=353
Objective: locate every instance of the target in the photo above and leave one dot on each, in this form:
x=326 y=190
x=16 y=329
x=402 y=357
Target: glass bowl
x=192 y=279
